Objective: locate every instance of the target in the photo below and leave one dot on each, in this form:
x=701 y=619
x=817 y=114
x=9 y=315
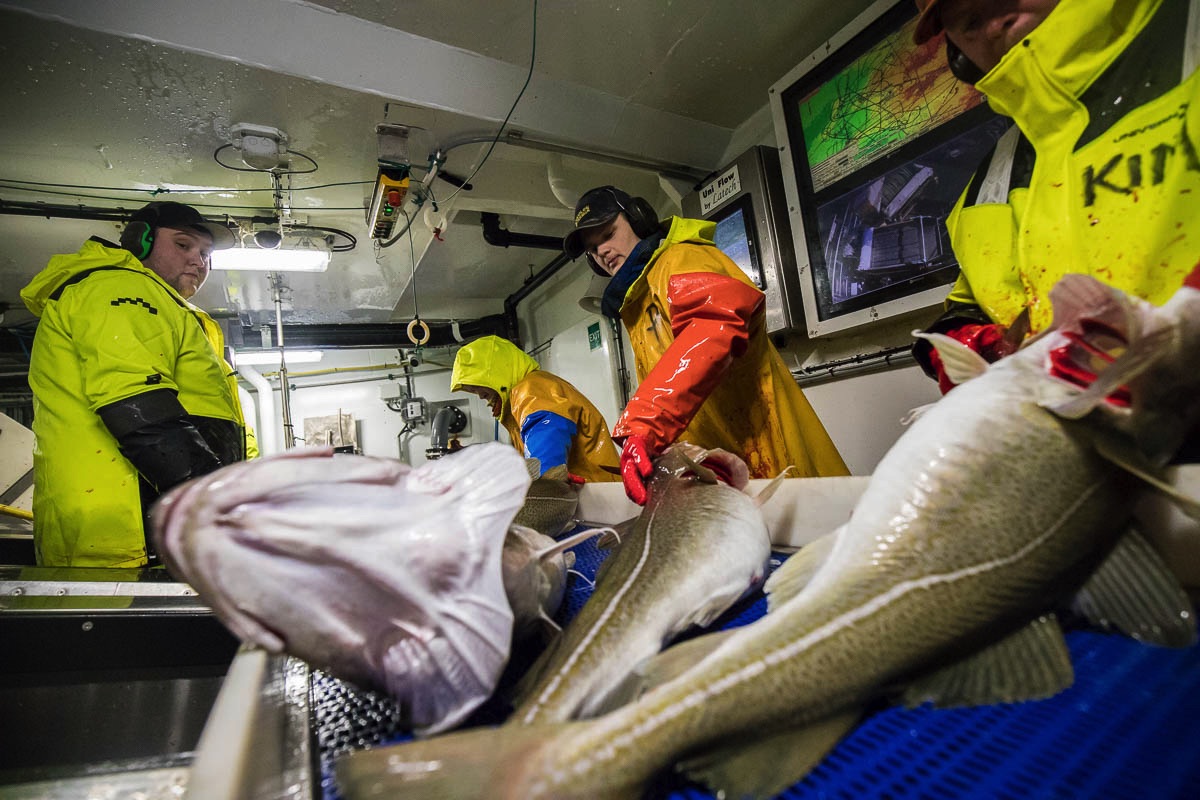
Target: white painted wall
x=350 y=382
x=863 y=413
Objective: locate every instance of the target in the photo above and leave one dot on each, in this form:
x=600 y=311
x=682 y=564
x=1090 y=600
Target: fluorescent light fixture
x=281 y=260
x=268 y=358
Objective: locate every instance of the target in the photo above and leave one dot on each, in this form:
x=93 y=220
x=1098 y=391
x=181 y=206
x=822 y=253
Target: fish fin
x=1031 y=663
x=477 y=763
x=702 y=473
x=796 y=572
x=547 y=625
x=915 y=414
x=614 y=536
x=960 y=362
x=660 y=668
x=769 y=490
x=567 y=543
x=770 y=764
x=1122 y=452
x=1133 y=592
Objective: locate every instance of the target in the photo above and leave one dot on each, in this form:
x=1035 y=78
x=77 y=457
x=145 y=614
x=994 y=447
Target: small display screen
x=735 y=237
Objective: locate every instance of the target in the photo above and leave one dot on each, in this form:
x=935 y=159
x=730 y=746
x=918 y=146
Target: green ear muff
x=138 y=238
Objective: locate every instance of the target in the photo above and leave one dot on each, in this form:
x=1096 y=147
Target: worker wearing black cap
x=131 y=393
x=708 y=373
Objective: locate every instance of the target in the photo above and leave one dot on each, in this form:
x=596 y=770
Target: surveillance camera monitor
x=880 y=140
x=745 y=199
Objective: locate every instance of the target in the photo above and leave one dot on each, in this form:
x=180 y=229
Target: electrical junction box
x=391 y=188
x=413 y=411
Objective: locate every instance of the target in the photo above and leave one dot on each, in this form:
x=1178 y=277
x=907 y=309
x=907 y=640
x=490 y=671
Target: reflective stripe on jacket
x=116 y=333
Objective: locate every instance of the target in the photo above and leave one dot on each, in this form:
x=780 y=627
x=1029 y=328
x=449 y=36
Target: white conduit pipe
x=268 y=444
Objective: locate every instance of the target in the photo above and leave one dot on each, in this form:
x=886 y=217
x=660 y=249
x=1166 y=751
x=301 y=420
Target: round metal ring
x=424 y=327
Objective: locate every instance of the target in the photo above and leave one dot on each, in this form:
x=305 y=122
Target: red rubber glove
x=987 y=340
x=710 y=319
x=577 y=480
x=637 y=465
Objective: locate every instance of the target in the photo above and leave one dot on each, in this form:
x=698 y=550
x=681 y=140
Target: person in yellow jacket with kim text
x=1100 y=173
x=132 y=395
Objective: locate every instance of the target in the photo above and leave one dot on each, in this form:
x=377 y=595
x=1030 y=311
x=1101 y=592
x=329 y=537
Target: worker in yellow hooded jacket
x=1100 y=173
x=708 y=373
x=131 y=393
x=546 y=417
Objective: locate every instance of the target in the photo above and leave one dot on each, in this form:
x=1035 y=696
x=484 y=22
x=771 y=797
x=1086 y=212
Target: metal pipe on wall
x=289 y=432
x=267 y=442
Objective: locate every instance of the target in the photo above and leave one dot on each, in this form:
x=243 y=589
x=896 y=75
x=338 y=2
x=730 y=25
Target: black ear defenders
x=962 y=67
x=138 y=238
x=642 y=218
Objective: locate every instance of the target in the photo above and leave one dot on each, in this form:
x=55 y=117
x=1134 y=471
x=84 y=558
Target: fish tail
x=494 y=763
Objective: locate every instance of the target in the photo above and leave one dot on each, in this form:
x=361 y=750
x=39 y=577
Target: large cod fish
x=398 y=579
x=697 y=547
x=989 y=511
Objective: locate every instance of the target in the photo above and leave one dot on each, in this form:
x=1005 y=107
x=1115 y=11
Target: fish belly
x=923 y=566
x=695 y=553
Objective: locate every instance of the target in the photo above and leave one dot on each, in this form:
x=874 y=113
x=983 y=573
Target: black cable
x=492 y=146
x=161 y=190
x=336 y=231
x=310 y=159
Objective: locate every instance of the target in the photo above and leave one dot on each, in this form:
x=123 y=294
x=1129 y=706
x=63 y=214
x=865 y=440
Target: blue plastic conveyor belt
x=1129 y=729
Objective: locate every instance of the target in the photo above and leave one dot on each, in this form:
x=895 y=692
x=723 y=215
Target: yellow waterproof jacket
x=1115 y=197
x=524 y=390
x=116 y=332
x=756 y=411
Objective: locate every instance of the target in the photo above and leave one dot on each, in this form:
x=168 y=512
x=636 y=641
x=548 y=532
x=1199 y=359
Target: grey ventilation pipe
x=448 y=420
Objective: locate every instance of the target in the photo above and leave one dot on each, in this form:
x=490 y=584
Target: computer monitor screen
x=735 y=238
x=882 y=139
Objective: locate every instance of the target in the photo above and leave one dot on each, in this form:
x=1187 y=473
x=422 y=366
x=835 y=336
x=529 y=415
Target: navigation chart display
x=886 y=97
x=882 y=139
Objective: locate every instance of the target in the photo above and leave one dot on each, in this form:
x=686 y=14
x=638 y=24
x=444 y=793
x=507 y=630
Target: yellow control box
x=391 y=187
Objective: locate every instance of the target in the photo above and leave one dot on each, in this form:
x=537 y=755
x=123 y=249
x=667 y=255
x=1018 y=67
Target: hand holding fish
x=637 y=465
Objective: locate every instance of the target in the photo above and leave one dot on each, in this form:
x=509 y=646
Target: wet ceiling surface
x=111 y=105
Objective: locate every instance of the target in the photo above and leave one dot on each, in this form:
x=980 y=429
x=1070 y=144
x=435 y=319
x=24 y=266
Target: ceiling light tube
x=249 y=258
x=267 y=358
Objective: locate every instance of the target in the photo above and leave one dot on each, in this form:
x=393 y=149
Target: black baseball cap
x=169 y=214
x=597 y=207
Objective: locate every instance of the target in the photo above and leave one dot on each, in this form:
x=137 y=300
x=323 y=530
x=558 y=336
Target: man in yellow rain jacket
x=546 y=417
x=131 y=393
x=708 y=373
x=1100 y=173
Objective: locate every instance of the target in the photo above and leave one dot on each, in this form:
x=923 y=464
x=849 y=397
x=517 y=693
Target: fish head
x=1140 y=362
x=535 y=577
x=359 y=565
x=685 y=458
